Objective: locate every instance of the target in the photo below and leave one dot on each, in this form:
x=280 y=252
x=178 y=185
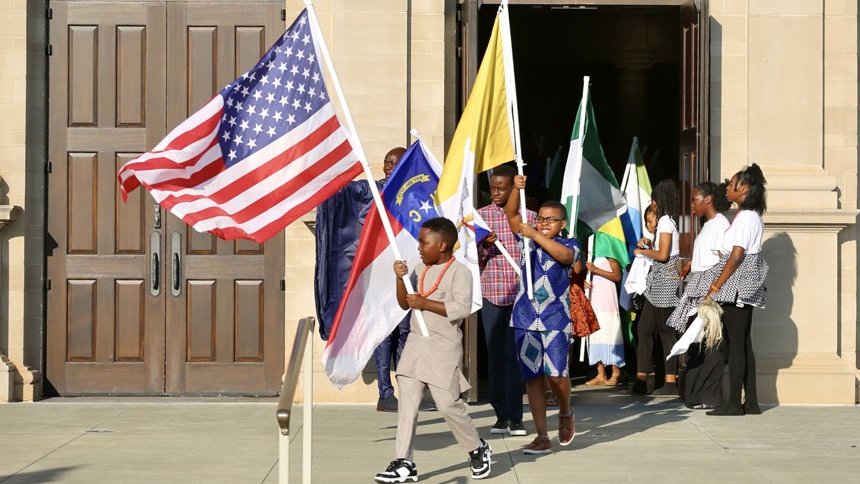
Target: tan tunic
x=434 y=359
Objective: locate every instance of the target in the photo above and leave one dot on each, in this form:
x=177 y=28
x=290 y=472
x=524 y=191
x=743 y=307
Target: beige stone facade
x=783 y=94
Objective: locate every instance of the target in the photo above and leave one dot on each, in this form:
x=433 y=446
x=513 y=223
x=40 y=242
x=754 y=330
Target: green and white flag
x=590 y=191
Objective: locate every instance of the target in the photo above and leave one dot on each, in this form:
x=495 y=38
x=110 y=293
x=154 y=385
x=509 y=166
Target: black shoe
x=517 y=429
x=500 y=427
x=387 y=404
x=729 y=409
x=639 y=388
x=752 y=409
x=399 y=470
x=427 y=407
x=701 y=406
x=668 y=389
x=480 y=460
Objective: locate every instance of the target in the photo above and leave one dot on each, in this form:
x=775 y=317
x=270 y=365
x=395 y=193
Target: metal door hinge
x=47 y=284
x=283 y=285
x=284 y=14
x=48 y=167
x=49 y=12
x=49 y=50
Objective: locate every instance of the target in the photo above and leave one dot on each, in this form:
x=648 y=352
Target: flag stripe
x=267 y=162
x=238 y=196
x=259 y=154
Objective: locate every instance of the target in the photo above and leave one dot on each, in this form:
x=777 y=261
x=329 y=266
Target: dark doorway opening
x=632 y=55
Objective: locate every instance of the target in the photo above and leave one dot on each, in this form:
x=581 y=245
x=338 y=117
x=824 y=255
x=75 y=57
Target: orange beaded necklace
x=438 y=279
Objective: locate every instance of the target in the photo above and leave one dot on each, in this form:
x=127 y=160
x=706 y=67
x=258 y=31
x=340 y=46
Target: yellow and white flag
x=483 y=140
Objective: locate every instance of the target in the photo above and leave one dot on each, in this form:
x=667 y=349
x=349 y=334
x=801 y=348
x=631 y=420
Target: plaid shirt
x=499 y=281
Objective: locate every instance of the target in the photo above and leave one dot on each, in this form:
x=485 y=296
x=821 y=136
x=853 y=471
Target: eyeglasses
x=550 y=220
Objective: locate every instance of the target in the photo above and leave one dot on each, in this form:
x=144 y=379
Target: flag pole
x=514 y=123
x=432 y=158
x=583 y=109
x=499 y=246
x=356 y=142
x=631 y=156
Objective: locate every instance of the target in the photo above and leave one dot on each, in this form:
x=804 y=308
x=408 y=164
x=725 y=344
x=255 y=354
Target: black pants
x=505 y=379
x=737 y=322
x=652 y=325
x=703 y=378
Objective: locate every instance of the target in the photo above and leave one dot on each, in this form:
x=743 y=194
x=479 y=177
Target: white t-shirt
x=709 y=242
x=745 y=231
x=666 y=224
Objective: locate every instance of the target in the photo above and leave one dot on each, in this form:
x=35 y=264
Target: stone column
x=7 y=368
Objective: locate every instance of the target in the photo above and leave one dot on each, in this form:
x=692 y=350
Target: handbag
x=581 y=313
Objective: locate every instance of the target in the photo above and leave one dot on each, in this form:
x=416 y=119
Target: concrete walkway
x=619 y=438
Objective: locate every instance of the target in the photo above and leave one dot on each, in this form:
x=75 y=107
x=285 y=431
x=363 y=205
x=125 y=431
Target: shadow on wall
x=778 y=338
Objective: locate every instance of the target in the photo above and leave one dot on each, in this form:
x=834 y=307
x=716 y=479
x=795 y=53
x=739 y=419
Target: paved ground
x=619 y=438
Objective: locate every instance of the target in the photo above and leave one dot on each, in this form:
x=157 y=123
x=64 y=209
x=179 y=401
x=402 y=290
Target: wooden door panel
x=693 y=163
x=229 y=314
x=124 y=314
x=105 y=332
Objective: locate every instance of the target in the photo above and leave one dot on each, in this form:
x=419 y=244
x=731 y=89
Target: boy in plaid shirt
x=499 y=284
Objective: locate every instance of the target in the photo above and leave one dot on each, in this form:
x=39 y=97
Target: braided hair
x=665 y=194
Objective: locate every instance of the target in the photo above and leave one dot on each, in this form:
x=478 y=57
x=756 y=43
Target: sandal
x=596 y=381
x=550 y=400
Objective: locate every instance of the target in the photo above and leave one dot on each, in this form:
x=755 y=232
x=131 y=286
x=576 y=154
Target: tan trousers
x=448 y=402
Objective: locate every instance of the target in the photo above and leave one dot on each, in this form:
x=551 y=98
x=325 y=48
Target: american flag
x=260 y=154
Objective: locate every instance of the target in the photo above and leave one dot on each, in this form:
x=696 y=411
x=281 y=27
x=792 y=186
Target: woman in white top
x=740 y=287
x=703 y=386
x=661 y=291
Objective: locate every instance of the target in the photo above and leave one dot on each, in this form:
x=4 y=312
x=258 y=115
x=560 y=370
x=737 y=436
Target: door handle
x=175 y=263
x=155 y=263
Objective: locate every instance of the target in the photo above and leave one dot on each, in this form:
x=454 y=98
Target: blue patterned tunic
x=550 y=308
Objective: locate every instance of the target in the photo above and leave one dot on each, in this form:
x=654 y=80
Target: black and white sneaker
x=480 y=460
x=399 y=470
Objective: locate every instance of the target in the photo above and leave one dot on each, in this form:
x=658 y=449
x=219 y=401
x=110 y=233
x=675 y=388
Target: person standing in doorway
x=661 y=292
x=703 y=384
x=606 y=345
x=499 y=281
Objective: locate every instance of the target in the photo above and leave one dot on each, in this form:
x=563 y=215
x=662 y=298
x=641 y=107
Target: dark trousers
x=737 y=322
x=390 y=346
x=505 y=380
x=652 y=324
x=703 y=378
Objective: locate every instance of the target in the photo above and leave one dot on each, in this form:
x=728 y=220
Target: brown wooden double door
x=137 y=302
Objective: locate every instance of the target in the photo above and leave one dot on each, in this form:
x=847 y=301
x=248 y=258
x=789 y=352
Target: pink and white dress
x=606 y=345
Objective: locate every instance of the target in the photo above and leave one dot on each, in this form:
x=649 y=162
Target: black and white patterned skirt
x=746 y=285
x=696 y=290
x=663 y=287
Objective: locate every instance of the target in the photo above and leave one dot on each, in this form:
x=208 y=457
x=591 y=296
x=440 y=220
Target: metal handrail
x=288 y=391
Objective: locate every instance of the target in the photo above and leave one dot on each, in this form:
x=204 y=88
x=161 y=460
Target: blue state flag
x=410 y=190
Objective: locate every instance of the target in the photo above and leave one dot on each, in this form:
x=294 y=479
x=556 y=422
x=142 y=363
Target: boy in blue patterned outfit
x=542 y=326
